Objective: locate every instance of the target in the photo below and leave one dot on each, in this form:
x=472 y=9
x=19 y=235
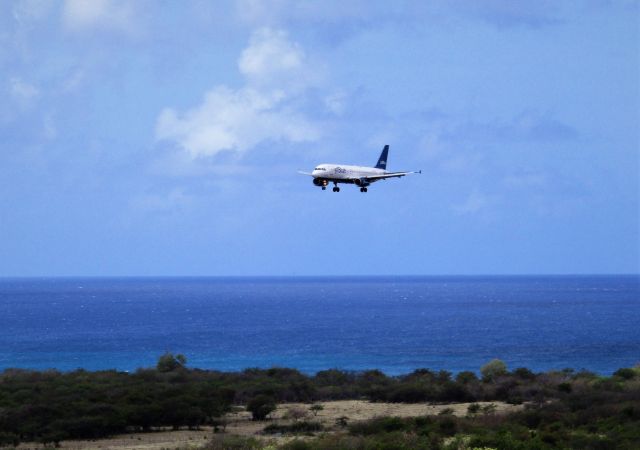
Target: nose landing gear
x=363 y=189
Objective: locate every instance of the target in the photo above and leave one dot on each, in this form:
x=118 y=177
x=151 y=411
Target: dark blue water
x=393 y=324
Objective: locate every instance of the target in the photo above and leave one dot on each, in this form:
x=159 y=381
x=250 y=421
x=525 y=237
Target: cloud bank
x=103 y=14
x=237 y=120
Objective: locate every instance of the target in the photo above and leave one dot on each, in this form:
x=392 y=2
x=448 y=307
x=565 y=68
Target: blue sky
x=164 y=138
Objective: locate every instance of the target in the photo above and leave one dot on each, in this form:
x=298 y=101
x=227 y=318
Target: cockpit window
x=320 y=168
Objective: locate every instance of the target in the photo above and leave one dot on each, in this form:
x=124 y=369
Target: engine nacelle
x=320 y=182
x=362 y=182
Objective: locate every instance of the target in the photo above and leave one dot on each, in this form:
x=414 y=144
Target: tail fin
x=382 y=161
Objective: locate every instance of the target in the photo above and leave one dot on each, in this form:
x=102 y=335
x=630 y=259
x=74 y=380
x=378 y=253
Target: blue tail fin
x=382 y=161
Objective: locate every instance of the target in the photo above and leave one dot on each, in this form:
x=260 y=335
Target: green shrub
x=9 y=439
x=378 y=425
x=455 y=392
x=626 y=374
x=261 y=406
x=316 y=408
x=493 y=369
x=294 y=428
x=466 y=377
x=410 y=394
x=473 y=408
x=170 y=362
x=448 y=426
x=226 y=442
x=524 y=374
x=297 y=445
x=565 y=387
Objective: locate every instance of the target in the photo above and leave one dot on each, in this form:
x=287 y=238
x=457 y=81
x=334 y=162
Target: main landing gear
x=335 y=187
x=363 y=189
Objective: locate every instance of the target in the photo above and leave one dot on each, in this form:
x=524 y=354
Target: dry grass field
x=240 y=423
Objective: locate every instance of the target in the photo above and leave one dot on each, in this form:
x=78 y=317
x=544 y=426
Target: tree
x=170 y=362
x=473 y=408
x=493 y=369
x=490 y=408
x=215 y=402
x=220 y=422
x=9 y=439
x=466 y=377
x=261 y=406
x=342 y=421
x=524 y=374
x=316 y=408
x=626 y=374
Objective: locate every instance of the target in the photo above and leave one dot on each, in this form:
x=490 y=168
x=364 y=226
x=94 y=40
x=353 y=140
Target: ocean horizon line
x=302 y=277
x=275 y=367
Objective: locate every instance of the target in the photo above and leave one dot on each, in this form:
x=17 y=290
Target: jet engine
x=362 y=182
x=320 y=182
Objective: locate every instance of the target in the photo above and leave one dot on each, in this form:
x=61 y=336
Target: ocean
x=395 y=324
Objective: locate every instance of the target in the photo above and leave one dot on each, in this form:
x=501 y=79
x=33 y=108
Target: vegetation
x=316 y=408
x=261 y=406
x=598 y=414
x=562 y=409
x=169 y=362
x=294 y=428
x=493 y=369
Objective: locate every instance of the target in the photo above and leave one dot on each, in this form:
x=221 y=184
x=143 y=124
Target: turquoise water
x=395 y=324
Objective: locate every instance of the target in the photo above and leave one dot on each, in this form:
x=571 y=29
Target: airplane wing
x=389 y=175
x=305 y=173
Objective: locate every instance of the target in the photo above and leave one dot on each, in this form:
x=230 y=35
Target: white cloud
x=525 y=180
x=104 y=14
x=336 y=102
x=161 y=203
x=24 y=94
x=23 y=91
x=510 y=13
x=28 y=10
x=50 y=130
x=73 y=81
x=234 y=120
x=474 y=203
x=237 y=120
x=270 y=57
x=463 y=164
x=432 y=146
x=279 y=12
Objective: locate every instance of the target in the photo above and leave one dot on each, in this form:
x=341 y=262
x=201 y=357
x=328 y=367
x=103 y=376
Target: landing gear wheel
x=324 y=187
x=365 y=190
x=335 y=189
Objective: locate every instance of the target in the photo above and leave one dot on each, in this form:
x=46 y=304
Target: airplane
x=358 y=175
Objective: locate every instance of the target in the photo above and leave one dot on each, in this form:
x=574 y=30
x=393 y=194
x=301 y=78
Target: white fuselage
x=344 y=172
